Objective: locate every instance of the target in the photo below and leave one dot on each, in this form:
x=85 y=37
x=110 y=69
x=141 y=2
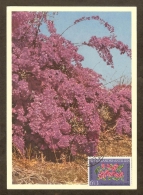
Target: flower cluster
x=51 y=26
x=110 y=172
x=55 y=101
x=105 y=44
x=108 y=26
x=119 y=100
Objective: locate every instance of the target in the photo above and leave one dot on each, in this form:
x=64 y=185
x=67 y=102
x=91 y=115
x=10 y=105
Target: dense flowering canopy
x=55 y=101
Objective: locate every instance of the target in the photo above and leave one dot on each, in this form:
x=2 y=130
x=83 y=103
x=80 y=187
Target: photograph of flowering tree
x=71 y=93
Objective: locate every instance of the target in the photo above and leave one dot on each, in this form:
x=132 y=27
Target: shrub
x=55 y=104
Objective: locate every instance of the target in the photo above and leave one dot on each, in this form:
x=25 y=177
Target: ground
x=39 y=171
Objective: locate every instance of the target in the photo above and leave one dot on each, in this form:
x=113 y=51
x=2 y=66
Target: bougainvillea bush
x=56 y=103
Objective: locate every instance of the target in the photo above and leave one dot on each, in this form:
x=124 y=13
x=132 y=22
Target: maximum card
x=71 y=98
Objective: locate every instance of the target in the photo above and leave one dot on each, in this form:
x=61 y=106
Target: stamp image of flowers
x=110 y=172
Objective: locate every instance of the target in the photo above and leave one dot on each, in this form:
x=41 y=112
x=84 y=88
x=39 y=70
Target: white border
x=133 y=11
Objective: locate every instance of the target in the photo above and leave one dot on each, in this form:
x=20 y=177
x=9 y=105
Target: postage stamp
x=110 y=171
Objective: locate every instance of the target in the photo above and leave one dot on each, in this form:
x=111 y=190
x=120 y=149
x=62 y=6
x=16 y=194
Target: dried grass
x=111 y=144
x=27 y=171
x=35 y=171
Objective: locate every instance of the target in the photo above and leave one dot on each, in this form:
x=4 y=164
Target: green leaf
x=97 y=169
x=119 y=168
x=104 y=179
x=113 y=178
x=117 y=179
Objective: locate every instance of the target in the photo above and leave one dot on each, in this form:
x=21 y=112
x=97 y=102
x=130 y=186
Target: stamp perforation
x=110 y=171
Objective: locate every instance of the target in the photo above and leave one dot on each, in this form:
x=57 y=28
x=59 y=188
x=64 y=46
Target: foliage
x=55 y=101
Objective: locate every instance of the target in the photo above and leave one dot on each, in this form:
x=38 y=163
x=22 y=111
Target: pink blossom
x=102 y=175
x=109 y=166
x=103 y=166
x=121 y=174
x=114 y=167
x=110 y=174
x=117 y=175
